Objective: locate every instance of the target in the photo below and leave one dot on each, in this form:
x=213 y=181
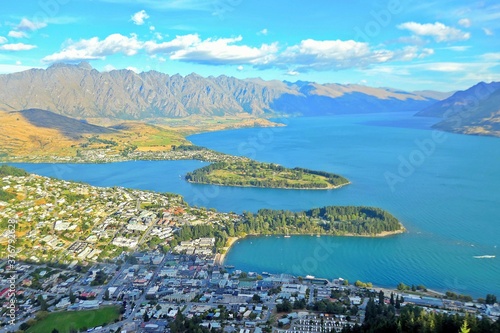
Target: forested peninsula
x=330 y=220
x=251 y=173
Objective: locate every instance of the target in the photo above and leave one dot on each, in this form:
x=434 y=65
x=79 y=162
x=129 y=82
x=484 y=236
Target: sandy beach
x=219 y=258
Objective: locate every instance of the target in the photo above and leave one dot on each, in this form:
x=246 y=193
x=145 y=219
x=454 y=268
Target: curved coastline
x=333 y=187
x=221 y=255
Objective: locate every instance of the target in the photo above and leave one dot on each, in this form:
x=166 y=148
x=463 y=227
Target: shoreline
x=280 y=188
x=220 y=257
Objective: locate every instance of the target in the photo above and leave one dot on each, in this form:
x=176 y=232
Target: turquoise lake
x=443 y=187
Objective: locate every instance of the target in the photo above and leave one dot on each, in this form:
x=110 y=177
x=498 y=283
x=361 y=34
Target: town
x=147 y=291
x=116 y=257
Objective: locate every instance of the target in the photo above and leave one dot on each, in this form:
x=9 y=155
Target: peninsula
x=63 y=221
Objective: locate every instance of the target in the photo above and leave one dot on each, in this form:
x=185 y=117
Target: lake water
x=442 y=186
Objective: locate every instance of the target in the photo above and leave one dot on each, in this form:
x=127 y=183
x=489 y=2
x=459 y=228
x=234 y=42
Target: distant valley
x=55 y=112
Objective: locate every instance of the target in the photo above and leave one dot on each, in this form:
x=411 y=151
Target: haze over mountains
x=80 y=91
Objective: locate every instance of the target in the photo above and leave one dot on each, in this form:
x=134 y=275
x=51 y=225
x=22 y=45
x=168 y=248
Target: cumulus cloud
x=191 y=48
x=313 y=54
x=308 y=55
x=178 y=43
x=93 y=48
x=17 y=34
x=3 y=40
x=412 y=52
x=465 y=22
x=139 y=17
x=17 y=47
x=27 y=25
x=263 y=32
x=437 y=30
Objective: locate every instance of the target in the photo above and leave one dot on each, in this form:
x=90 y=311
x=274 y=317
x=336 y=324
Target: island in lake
x=251 y=173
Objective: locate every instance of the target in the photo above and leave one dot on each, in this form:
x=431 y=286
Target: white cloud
x=3 y=40
x=109 y=68
x=465 y=22
x=488 y=32
x=18 y=63
x=446 y=67
x=412 y=52
x=8 y=68
x=17 y=34
x=152 y=28
x=495 y=56
x=17 y=47
x=292 y=73
x=240 y=68
x=263 y=32
x=139 y=17
x=27 y=25
x=313 y=54
x=133 y=69
x=190 y=48
x=93 y=48
x=437 y=30
x=180 y=42
x=458 y=48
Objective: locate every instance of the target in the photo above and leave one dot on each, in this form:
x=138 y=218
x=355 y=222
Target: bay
x=442 y=186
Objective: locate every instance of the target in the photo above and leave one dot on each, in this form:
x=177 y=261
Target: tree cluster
x=252 y=173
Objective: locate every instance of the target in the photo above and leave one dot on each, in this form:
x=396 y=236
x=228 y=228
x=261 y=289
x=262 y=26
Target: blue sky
x=411 y=45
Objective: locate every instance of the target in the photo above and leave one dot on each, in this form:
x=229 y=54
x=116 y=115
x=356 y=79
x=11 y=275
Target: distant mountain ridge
x=472 y=111
x=460 y=100
x=79 y=91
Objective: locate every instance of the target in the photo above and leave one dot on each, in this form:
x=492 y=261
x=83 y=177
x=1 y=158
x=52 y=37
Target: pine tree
x=106 y=295
x=381 y=297
x=72 y=297
x=465 y=328
x=392 y=299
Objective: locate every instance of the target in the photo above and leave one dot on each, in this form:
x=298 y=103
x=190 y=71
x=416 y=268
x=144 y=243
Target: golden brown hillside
x=22 y=136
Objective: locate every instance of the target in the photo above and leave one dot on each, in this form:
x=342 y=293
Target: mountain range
x=472 y=111
x=79 y=91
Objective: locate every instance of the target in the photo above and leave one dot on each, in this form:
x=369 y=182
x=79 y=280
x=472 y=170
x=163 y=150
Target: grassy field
x=65 y=321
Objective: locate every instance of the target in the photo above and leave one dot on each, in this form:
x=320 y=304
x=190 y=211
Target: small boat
x=286 y=236
x=485 y=257
x=229 y=266
x=318 y=235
